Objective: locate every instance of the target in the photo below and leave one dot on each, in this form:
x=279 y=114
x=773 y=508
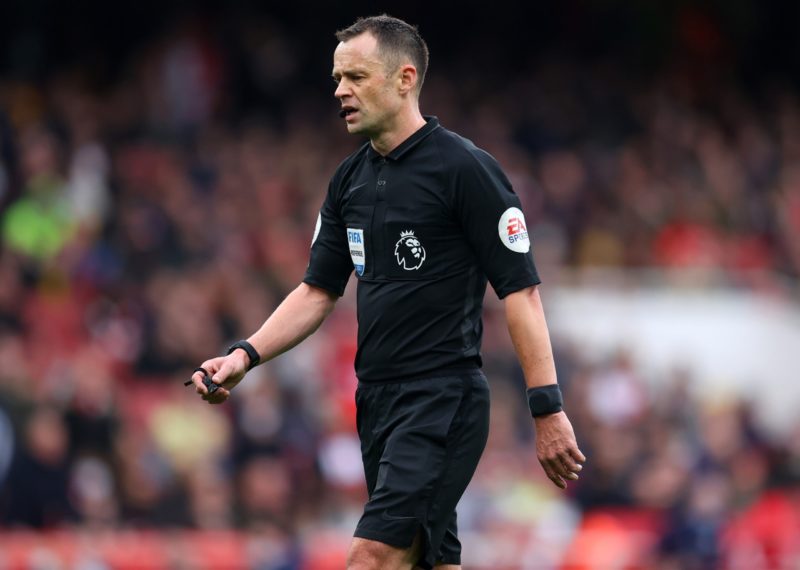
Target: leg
x=373 y=555
x=417 y=468
x=449 y=557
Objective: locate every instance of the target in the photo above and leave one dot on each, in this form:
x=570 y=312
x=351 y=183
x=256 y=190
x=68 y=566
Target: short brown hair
x=396 y=39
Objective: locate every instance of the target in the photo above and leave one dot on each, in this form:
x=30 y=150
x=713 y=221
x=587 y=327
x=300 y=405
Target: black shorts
x=420 y=442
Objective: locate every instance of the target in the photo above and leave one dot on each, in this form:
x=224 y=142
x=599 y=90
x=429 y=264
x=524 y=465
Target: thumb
x=228 y=370
x=222 y=374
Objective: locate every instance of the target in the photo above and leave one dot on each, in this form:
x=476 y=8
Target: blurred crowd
x=146 y=224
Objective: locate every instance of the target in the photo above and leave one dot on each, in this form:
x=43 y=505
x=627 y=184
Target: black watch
x=248 y=348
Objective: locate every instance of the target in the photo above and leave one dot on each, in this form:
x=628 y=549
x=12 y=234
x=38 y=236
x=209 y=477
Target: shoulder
x=458 y=152
x=468 y=169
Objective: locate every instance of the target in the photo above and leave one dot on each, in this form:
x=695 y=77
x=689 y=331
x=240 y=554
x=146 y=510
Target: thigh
x=373 y=441
x=433 y=433
x=467 y=442
x=450 y=548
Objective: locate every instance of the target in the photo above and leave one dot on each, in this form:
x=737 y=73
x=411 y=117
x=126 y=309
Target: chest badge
x=355 y=239
x=409 y=251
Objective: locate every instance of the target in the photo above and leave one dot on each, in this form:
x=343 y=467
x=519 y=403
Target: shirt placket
x=378 y=218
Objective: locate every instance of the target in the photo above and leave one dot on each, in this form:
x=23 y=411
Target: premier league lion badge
x=409 y=251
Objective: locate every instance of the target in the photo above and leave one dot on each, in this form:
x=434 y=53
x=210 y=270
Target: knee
x=365 y=555
x=373 y=555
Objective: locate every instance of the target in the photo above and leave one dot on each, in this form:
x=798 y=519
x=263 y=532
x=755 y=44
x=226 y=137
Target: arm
x=296 y=318
x=556 y=447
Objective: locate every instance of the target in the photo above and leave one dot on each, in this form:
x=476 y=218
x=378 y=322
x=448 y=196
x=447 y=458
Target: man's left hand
x=557 y=449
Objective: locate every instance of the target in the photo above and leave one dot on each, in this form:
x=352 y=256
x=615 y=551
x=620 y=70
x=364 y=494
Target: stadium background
x=161 y=168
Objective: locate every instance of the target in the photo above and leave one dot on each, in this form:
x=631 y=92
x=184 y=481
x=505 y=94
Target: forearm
x=296 y=318
x=556 y=447
x=530 y=336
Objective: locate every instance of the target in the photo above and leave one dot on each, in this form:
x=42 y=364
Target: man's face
x=368 y=96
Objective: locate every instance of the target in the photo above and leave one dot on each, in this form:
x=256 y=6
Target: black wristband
x=248 y=348
x=544 y=400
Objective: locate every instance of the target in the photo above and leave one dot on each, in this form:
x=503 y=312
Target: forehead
x=360 y=51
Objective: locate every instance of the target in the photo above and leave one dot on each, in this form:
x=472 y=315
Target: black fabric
x=425 y=227
x=420 y=442
x=543 y=400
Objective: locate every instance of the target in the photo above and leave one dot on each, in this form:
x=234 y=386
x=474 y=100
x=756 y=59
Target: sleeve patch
x=317 y=228
x=513 y=231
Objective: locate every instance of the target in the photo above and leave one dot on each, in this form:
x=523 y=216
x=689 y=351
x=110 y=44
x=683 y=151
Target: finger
x=560 y=469
x=199 y=387
x=570 y=465
x=220 y=396
x=222 y=374
x=217 y=398
x=552 y=475
x=577 y=455
x=212 y=387
x=199 y=369
x=558 y=482
x=209 y=367
x=219 y=393
x=567 y=472
x=200 y=373
x=211 y=398
x=216 y=393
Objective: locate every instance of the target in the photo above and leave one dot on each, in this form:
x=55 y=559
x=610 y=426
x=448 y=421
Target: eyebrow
x=354 y=71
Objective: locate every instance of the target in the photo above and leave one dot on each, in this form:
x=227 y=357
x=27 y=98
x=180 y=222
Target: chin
x=355 y=129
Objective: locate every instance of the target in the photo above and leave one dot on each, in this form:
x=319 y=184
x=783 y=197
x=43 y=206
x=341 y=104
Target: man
x=425 y=218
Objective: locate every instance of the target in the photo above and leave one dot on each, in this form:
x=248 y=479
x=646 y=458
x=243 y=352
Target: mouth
x=347 y=112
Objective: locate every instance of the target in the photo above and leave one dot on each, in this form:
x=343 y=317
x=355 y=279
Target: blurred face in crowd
x=372 y=94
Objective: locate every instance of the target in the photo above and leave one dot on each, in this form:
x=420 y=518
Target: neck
x=405 y=126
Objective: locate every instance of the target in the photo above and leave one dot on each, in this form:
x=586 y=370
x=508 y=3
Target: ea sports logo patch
x=409 y=251
x=513 y=231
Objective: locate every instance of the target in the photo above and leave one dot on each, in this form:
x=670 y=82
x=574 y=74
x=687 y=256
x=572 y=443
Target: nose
x=342 y=89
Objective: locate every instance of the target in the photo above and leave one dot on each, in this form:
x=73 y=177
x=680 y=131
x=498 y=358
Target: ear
x=407 y=78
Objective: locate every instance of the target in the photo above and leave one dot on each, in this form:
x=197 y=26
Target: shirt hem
x=310 y=280
x=430 y=374
x=518 y=286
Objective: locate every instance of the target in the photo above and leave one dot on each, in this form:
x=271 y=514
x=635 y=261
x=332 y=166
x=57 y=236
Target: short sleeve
x=329 y=266
x=491 y=216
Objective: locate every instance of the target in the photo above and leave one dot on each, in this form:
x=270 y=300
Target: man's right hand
x=227 y=371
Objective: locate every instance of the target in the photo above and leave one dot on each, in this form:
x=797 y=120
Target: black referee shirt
x=423 y=227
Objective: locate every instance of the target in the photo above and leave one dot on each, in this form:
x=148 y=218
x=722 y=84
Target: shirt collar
x=431 y=123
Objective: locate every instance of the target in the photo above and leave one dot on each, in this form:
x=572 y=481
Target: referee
x=425 y=218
